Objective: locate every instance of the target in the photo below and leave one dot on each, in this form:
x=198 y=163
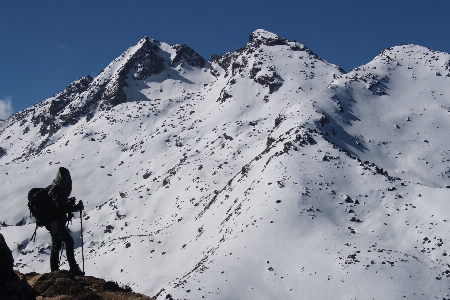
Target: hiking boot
x=75 y=270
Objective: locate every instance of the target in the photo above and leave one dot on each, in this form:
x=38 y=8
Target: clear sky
x=45 y=45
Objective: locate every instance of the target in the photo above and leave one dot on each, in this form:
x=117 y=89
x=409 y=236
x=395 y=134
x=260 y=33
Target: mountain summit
x=261 y=36
x=265 y=172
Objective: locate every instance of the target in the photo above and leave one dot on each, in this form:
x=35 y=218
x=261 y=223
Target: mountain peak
x=261 y=36
x=414 y=56
x=145 y=41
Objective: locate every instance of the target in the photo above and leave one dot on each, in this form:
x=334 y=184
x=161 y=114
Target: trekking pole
x=61 y=253
x=82 y=248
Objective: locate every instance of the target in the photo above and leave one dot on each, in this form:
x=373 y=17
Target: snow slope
x=264 y=173
x=396 y=109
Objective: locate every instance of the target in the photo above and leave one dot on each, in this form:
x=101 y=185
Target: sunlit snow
x=267 y=173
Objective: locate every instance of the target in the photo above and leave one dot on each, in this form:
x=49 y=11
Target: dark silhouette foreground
x=53 y=208
x=60 y=284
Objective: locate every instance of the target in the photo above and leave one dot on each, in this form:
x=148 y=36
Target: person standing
x=59 y=192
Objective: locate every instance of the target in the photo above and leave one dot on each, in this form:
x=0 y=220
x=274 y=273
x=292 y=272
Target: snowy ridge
x=394 y=111
x=264 y=173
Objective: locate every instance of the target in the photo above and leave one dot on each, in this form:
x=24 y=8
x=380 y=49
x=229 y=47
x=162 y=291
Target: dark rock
x=113 y=286
x=245 y=169
x=224 y=95
x=270 y=140
x=185 y=54
x=348 y=199
x=60 y=283
x=354 y=219
x=12 y=286
x=272 y=80
x=222 y=60
x=72 y=90
x=254 y=71
x=2 y=152
x=278 y=120
x=227 y=137
x=108 y=229
x=63 y=285
x=323 y=120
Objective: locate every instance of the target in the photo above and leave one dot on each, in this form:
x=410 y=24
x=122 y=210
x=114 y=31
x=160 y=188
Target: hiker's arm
x=79 y=206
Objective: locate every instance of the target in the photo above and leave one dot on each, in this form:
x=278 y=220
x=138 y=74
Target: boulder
x=12 y=286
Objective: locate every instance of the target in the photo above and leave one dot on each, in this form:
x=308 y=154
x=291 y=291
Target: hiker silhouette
x=59 y=192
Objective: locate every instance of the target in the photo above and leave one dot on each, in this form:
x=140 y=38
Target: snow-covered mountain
x=266 y=172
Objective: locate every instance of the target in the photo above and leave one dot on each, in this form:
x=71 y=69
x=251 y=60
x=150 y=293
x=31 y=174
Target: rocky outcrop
x=148 y=60
x=187 y=55
x=2 y=152
x=254 y=57
x=12 y=286
x=63 y=285
x=55 y=285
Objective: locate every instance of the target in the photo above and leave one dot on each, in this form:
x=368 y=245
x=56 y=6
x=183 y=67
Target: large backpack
x=41 y=205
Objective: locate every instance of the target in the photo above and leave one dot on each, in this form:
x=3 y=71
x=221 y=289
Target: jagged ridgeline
x=266 y=172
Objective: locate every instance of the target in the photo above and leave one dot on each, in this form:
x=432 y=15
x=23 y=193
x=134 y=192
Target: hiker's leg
x=54 y=254
x=74 y=268
x=68 y=240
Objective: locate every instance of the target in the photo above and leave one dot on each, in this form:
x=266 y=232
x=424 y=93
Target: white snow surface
x=323 y=185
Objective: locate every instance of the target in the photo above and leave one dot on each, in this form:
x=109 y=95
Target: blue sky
x=45 y=45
